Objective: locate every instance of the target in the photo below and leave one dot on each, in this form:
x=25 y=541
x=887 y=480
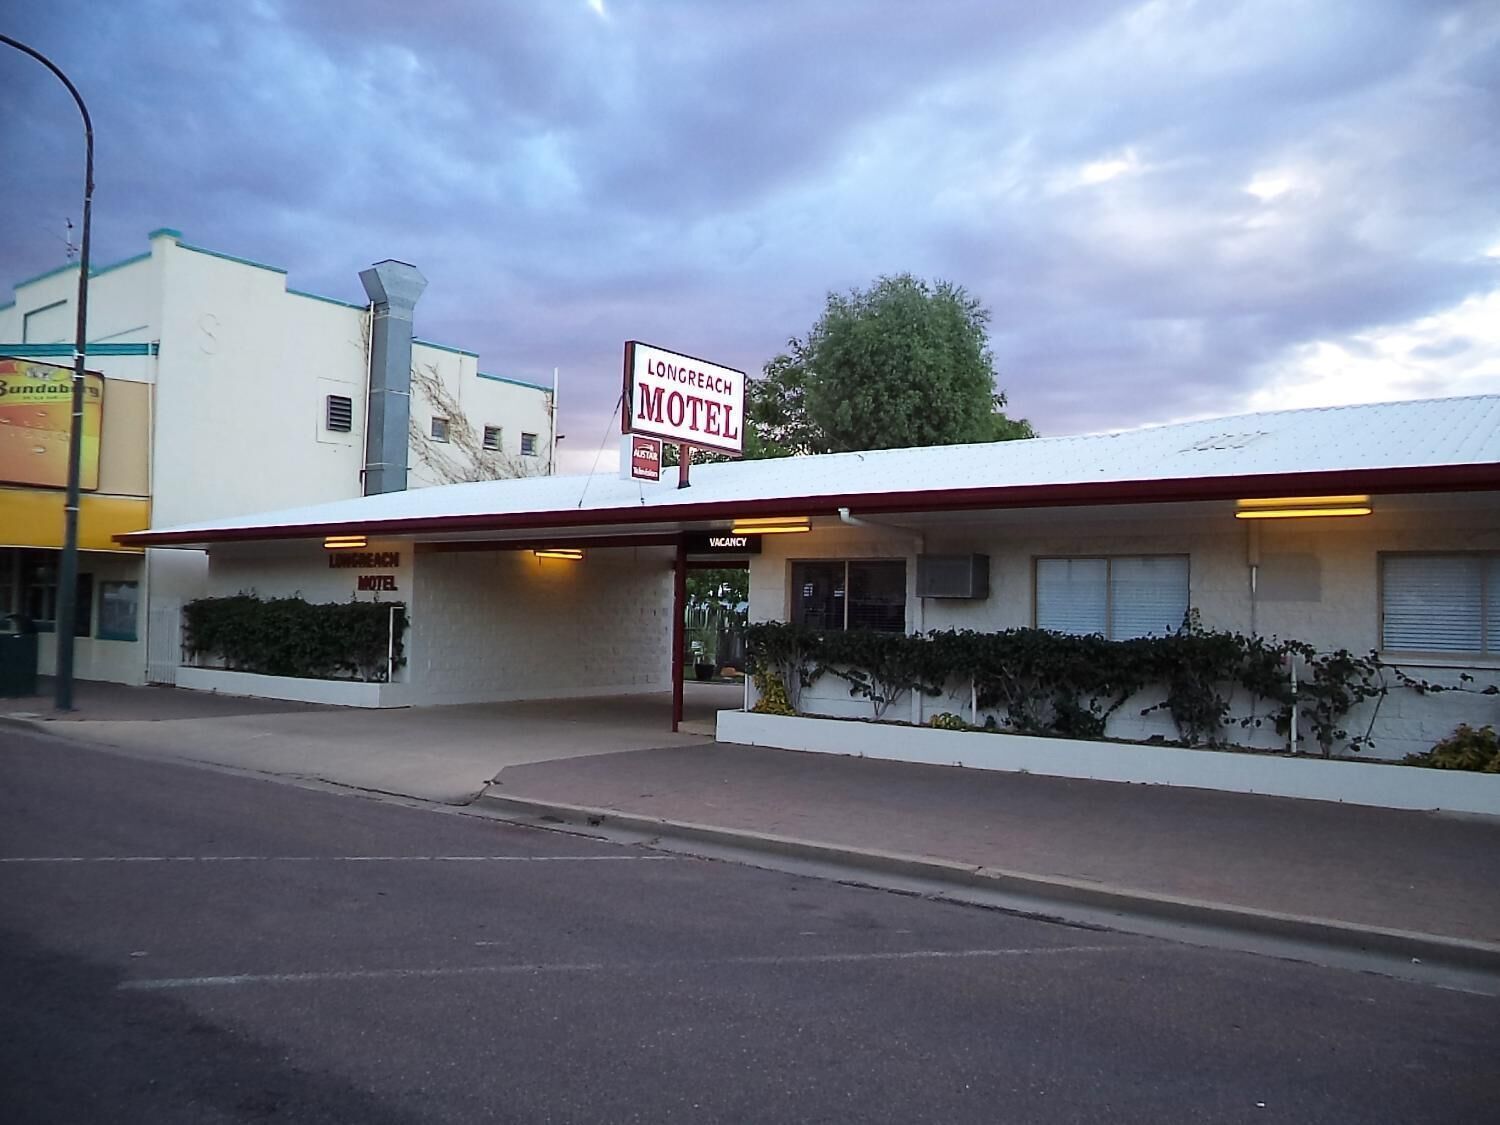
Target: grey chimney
x=394 y=287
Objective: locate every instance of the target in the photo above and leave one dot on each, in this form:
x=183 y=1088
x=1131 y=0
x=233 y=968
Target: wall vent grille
x=340 y=413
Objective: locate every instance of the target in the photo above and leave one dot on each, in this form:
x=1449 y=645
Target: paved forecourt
x=187 y=945
x=444 y=754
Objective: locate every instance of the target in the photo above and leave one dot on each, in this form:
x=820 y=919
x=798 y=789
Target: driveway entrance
x=433 y=753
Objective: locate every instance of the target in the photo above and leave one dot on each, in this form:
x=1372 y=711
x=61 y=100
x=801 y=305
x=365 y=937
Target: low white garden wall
x=342 y=693
x=1405 y=723
x=1318 y=779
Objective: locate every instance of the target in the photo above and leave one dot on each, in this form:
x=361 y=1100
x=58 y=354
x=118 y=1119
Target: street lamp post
x=67 y=577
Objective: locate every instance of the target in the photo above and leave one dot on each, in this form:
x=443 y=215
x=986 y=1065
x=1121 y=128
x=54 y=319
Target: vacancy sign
x=682 y=399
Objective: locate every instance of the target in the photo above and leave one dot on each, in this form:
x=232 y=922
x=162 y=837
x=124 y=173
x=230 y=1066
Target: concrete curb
x=21 y=720
x=1455 y=952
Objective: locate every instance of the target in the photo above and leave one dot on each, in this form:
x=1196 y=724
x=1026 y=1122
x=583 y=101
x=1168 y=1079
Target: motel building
x=1369 y=527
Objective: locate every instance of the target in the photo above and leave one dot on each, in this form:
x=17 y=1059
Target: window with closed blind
x=1440 y=603
x=850 y=594
x=1117 y=597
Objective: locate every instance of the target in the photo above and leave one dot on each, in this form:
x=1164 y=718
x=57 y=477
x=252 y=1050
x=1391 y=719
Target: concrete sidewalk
x=446 y=754
x=1348 y=865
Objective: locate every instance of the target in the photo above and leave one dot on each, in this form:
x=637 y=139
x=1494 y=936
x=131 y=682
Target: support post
x=390 y=647
x=684 y=461
x=679 y=628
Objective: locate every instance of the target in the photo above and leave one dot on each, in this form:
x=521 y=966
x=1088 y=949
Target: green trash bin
x=17 y=655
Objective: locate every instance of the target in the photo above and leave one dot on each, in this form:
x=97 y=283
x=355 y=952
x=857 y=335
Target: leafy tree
x=902 y=363
x=1005 y=428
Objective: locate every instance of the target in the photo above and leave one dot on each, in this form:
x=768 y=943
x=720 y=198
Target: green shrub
x=1467 y=748
x=771 y=694
x=293 y=637
x=948 y=721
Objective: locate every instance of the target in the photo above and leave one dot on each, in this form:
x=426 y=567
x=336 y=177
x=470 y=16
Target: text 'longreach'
x=365 y=560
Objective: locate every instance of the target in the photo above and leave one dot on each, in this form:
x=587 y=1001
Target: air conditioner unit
x=953 y=576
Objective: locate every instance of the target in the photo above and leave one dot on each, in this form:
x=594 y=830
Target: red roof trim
x=1422 y=478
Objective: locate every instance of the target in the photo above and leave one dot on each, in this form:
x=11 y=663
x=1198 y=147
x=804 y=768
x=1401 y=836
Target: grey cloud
x=702 y=174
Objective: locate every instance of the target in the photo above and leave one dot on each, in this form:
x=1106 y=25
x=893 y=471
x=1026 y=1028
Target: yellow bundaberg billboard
x=36 y=408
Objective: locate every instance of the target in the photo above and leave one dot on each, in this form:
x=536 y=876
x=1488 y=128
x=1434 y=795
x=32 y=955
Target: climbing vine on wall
x=1041 y=682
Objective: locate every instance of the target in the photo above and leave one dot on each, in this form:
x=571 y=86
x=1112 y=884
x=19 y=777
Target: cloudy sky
x=1171 y=208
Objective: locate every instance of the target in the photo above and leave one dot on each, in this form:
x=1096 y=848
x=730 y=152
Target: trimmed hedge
x=293 y=637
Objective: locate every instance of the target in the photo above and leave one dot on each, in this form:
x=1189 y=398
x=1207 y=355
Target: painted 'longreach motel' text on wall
x=683 y=399
x=369 y=560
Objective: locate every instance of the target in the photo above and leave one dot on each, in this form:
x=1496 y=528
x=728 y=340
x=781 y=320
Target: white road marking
x=906 y=955
x=347 y=975
x=333 y=858
x=339 y=975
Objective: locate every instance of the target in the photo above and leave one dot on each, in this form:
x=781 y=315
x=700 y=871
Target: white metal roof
x=1425 y=434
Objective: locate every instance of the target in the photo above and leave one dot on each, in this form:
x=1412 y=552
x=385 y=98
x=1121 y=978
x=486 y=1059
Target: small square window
x=340 y=413
x=440 y=429
x=528 y=445
x=492 y=438
x=118 y=605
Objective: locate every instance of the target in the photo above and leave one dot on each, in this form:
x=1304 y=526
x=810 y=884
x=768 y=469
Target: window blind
x=1492 y=604
x=1071 y=595
x=1434 y=603
x=1148 y=596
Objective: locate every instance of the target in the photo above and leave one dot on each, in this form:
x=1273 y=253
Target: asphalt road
x=183 y=945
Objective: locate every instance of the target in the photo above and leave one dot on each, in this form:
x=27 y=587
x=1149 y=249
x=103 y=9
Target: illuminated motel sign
x=684 y=400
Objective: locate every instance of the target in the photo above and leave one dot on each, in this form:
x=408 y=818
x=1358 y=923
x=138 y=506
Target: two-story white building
x=225 y=391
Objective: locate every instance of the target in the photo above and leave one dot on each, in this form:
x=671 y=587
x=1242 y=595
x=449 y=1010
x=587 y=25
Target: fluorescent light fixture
x=1297 y=513
x=573 y=553
x=771 y=525
x=343 y=542
x=1302 y=507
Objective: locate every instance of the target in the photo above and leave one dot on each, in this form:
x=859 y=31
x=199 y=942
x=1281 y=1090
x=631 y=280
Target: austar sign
x=681 y=399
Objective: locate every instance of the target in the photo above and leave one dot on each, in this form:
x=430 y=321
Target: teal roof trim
x=442 y=347
x=94 y=271
x=49 y=273
x=121 y=264
x=52 y=351
x=231 y=258
x=516 y=382
x=168 y=231
x=320 y=297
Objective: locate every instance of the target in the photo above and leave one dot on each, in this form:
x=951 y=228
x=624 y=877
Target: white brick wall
x=1342 y=613
x=507 y=625
x=284 y=570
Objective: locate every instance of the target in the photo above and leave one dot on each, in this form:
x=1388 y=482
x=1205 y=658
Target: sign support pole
x=684 y=461
x=679 y=629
